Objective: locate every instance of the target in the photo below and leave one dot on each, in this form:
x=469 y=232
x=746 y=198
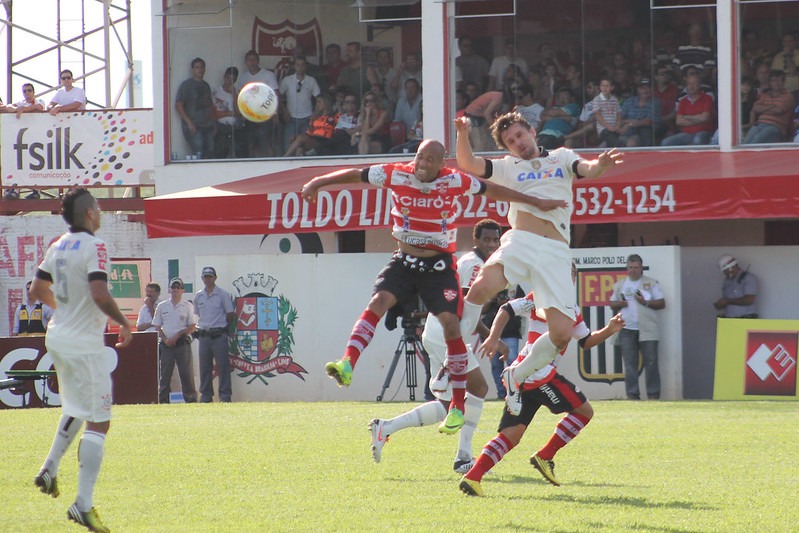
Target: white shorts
x=84 y=384
x=437 y=350
x=543 y=264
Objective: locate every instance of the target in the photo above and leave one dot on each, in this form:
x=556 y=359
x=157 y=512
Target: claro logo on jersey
x=56 y=153
x=427 y=201
x=264 y=337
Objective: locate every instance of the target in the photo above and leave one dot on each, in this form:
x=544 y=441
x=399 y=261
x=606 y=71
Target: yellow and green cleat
x=341 y=371
x=453 y=422
x=90 y=519
x=470 y=487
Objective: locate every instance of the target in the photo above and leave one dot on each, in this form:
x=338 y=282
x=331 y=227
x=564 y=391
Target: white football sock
x=541 y=354
x=68 y=427
x=90 y=458
x=474 y=408
x=423 y=415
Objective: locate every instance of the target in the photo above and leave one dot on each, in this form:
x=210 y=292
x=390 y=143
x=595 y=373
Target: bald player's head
x=429 y=160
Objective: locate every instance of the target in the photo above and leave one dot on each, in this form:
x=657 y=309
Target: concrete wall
x=23 y=240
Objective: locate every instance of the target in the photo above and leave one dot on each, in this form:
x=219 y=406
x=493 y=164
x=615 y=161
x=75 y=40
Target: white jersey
x=549 y=177
x=469 y=266
x=77 y=323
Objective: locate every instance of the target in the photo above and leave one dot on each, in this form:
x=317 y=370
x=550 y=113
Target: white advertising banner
x=107 y=147
x=295 y=313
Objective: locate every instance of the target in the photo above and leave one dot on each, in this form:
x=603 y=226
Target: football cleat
x=546 y=467
x=470 y=487
x=46 y=484
x=440 y=382
x=513 y=395
x=90 y=519
x=341 y=371
x=378 y=438
x=462 y=466
x=453 y=422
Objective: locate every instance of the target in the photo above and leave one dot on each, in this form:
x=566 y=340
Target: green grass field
x=639 y=466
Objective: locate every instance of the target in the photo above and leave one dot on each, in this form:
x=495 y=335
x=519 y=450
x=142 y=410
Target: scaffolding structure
x=92 y=38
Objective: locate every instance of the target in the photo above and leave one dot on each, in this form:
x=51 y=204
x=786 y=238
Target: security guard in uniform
x=31 y=316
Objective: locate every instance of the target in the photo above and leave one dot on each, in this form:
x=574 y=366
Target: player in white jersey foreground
x=546 y=387
x=486 y=240
x=535 y=252
x=73 y=279
x=424 y=210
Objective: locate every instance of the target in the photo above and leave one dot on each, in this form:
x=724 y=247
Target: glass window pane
x=769 y=83
x=337 y=78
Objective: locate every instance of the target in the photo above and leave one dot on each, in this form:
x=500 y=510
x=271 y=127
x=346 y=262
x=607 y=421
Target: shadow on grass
x=596 y=526
x=625 y=501
x=620 y=501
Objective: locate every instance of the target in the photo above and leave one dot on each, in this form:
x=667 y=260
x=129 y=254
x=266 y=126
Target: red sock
x=493 y=452
x=457 y=361
x=567 y=429
x=361 y=336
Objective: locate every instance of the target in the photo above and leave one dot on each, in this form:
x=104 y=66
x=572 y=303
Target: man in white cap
x=174 y=320
x=214 y=307
x=738 y=292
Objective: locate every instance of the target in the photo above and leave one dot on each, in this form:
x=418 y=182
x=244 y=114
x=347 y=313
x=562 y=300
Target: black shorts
x=559 y=395
x=433 y=279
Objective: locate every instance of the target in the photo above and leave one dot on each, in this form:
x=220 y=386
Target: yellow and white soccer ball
x=257 y=102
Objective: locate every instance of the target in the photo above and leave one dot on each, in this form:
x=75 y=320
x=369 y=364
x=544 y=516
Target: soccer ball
x=257 y=102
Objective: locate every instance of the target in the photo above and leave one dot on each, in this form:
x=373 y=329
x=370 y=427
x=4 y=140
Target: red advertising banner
x=647 y=187
x=135 y=375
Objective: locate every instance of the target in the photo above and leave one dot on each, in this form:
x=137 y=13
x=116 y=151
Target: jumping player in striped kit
x=544 y=388
x=423 y=213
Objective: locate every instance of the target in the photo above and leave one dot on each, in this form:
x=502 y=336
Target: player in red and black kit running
x=546 y=387
x=424 y=195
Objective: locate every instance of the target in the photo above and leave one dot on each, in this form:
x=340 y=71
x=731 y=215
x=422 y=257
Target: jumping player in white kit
x=73 y=279
x=535 y=252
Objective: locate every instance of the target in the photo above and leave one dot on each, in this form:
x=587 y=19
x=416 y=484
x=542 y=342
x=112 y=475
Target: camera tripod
x=411 y=344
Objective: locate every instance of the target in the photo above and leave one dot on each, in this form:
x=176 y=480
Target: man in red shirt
x=695 y=116
x=424 y=195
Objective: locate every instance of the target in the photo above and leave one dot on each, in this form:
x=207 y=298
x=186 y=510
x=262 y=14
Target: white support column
x=727 y=84
x=434 y=69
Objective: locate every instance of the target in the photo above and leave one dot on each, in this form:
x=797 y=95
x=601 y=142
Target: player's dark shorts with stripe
x=559 y=396
x=434 y=279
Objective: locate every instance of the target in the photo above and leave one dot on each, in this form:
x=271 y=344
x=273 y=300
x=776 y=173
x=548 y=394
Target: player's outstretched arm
x=467 y=161
x=596 y=337
x=607 y=159
x=347 y=175
x=502 y=193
